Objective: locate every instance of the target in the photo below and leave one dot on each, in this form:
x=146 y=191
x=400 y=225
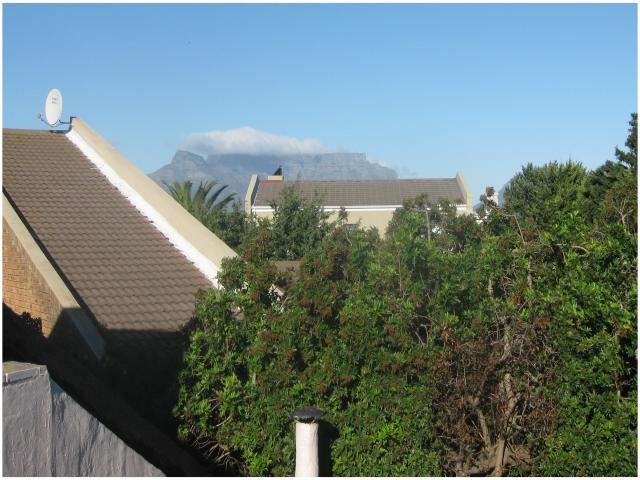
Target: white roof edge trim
x=368 y=208
x=202 y=263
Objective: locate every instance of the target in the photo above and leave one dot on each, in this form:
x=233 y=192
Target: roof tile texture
x=351 y=193
x=125 y=271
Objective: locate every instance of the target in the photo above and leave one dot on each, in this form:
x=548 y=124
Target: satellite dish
x=53 y=107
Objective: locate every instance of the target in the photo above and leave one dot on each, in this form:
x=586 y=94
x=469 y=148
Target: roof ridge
x=32 y=130
x=359 y=180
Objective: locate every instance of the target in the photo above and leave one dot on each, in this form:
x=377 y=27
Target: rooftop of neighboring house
x=131 y=256
x=361 y=193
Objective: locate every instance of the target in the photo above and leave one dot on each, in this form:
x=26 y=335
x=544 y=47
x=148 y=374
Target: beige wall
x=380 y=220
x=466 y=192
x=368 y=219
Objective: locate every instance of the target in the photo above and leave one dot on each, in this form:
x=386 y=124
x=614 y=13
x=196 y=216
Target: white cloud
x=251 y=141
x=382 y=163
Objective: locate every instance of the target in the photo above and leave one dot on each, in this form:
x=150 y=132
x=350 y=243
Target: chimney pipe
x=307 y=463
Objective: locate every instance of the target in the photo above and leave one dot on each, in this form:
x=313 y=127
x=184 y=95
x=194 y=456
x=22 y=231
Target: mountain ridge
x=235 y=169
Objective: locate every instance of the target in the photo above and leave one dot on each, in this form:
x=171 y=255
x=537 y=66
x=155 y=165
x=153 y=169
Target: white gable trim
x=201 y=262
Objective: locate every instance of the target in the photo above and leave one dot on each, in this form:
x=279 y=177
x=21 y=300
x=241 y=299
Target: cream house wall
x=367 y=219
x=368 y=216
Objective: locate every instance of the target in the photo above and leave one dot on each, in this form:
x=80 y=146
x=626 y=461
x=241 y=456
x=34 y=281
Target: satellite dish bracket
x=58 y=123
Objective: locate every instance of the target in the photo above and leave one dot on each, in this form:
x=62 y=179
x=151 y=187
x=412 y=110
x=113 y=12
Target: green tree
x=452 y=346
x=202 y=202
x=230 y=224
x=590 y=299
x=612 y=188
x=333 y=340
x=630 y=157
x=222 y=215
x=591 y=295
x=545 y=195
x=298 y=224
x=469 y=284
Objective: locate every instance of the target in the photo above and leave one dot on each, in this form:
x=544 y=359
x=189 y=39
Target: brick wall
x=23 y=287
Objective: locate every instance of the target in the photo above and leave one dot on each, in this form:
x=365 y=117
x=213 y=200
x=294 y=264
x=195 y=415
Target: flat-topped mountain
x=235 y=169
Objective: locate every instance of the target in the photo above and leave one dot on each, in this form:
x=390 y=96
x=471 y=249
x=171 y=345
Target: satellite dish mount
x=53 y=109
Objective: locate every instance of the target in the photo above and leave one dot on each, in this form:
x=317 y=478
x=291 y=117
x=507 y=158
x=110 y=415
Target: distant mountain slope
x=236 y=169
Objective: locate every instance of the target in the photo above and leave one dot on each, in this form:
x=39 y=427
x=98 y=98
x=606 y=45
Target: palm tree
x=202 y=204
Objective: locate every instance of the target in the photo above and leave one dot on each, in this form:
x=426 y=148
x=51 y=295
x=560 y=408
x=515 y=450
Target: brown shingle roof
x=120 y=266
x=343 y=193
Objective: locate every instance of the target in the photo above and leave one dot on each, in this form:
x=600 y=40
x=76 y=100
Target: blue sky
x=427 y=89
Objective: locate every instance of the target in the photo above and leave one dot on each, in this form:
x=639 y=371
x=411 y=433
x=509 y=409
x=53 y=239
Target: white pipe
x=307 y=450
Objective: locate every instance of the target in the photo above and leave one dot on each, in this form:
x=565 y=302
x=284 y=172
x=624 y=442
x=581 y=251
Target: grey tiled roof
x=345 y=193
x=128 y=275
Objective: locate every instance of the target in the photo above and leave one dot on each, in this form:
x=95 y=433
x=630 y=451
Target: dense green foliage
x=544 y=196
x=201 y=203
x=229 y=224
x=223 y=216
x=281 y=353
x=452 y=346
x=592 y=301
x=299 y=224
